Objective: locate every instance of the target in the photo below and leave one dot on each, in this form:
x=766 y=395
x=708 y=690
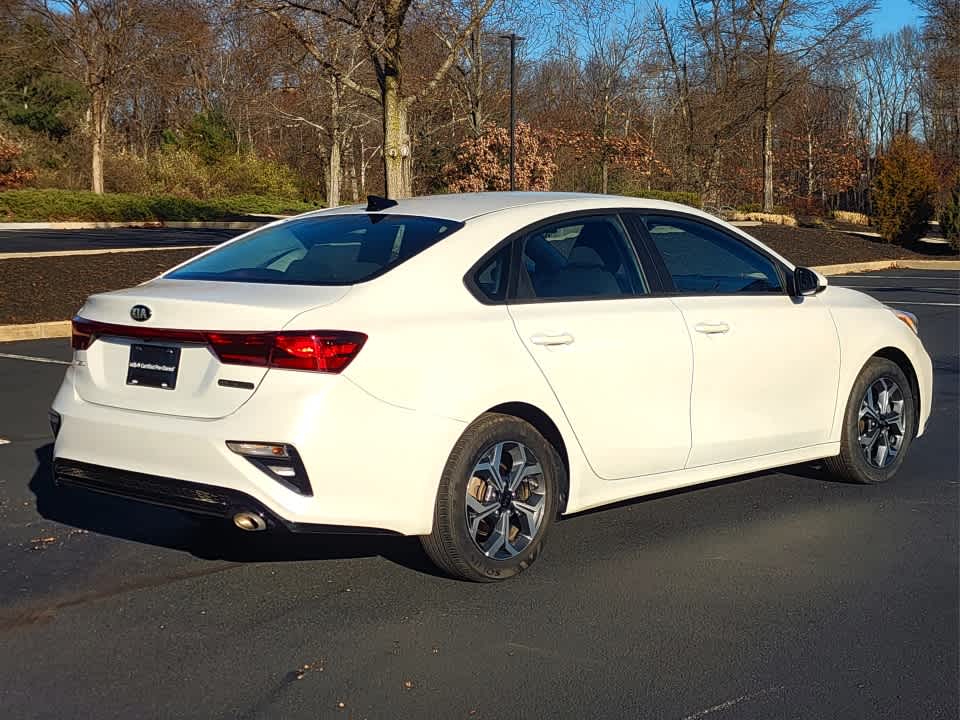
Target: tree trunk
x=334 y=171
x=363 y=168
x=604 y=158
x=351 y=161
x=768 y=159
x=396 y=141
x=98 y=133
x=809 y=164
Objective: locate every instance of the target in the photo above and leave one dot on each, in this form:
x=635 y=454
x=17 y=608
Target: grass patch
x=768 y=218
x=853 y=218
x=53 y=205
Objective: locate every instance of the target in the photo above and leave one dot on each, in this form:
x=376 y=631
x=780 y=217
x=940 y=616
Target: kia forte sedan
x=468 y=368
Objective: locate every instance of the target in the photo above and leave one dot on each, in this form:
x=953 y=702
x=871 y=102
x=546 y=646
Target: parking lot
x=780 y=594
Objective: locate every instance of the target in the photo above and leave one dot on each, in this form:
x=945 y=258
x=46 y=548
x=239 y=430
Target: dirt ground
x=54 y=288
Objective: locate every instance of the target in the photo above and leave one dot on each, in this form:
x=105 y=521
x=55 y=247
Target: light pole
x=513 y=38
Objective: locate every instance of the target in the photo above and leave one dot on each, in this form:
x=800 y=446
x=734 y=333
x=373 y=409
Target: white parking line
x=892 y=277
x=907 y=302
x=51 y=361
x=894 y=287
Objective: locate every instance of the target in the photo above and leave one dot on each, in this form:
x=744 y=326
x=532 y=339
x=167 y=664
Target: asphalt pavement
x=19 y=241
x=777 y=595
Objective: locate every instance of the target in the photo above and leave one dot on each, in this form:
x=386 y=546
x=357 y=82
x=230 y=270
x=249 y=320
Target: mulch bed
x=54 y=288
x=815 y=246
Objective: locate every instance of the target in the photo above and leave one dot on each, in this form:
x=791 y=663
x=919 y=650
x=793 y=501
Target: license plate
x=153 y=366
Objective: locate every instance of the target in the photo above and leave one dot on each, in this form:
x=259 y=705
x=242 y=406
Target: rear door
x=765 y=364
x=617 y=358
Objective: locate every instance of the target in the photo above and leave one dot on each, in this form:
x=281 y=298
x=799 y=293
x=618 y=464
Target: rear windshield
x=324 y=250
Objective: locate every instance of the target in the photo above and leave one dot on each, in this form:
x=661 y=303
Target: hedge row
x=685 y=198
x=51 y=205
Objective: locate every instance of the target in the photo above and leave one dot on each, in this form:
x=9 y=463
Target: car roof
x=461 y=207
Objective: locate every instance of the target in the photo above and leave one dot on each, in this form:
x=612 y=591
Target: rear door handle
x=552 y=340
x=711 y=328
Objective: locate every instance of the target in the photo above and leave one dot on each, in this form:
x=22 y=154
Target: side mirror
x=807 y=282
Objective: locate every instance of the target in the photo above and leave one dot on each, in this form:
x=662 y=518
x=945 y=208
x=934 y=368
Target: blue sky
x=891 y=15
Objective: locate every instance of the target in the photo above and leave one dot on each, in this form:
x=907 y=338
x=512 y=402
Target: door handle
x=711 y=328
x=552 y=340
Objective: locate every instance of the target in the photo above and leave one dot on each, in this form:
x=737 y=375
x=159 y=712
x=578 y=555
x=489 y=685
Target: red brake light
x=321 y=351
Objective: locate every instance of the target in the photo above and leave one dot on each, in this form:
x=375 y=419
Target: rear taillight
x=327 y=351
x=320 y=351
x=82 y=334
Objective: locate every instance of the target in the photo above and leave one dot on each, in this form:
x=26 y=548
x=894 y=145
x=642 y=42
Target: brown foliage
x=483 y=163
x=11 y=176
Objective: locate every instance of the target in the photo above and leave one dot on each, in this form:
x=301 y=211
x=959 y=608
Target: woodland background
x=780 y=105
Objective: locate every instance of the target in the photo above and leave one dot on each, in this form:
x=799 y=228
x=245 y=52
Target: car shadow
x=209 y=539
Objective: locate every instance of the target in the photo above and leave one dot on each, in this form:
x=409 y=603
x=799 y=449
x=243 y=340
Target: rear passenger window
x=580 y=258
x=702 y=259
x=491 y=279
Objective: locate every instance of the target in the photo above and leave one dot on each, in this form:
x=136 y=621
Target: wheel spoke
x=882 y=451
x=498 y=537
x=478 y=506
x=478 y=518
x=867 y=441
x=523 y=473
x=529 y=512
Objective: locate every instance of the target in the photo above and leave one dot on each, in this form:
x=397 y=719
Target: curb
x=35 y=331
x=887 y=265
x=98 y=251
x=172 y=224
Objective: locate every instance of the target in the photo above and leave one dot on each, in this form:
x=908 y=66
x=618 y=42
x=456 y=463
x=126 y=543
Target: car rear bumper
x=191 y=497
x=372 y=465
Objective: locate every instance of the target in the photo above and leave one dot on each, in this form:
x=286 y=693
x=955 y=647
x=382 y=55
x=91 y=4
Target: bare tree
x=380 y=25
x=608 y=55
x=102 y=43
x=795 y=36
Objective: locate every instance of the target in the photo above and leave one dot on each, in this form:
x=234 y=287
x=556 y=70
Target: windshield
x=320 y=250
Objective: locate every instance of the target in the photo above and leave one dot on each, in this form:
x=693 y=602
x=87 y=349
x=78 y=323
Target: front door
x=765 y=364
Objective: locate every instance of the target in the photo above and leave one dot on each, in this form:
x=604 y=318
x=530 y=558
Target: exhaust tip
x=250 y=522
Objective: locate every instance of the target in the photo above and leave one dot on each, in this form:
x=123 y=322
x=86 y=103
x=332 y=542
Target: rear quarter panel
x=433 y=347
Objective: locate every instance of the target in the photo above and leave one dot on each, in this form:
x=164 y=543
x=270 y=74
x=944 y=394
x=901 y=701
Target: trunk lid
x=201 y=386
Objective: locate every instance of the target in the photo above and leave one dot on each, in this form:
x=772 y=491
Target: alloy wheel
x=880 y=422
x=505 y=500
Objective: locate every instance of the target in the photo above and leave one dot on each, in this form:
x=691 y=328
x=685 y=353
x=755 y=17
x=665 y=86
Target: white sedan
x=467 y=368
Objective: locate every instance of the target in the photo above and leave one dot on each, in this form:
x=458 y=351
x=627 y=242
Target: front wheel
x=498 y=496
x=879 y=424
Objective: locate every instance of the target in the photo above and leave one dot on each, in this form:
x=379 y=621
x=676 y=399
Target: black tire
x=851 y=464
x=450 y=546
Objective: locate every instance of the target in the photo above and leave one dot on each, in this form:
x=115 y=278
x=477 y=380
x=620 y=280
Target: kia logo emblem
x=140 y=313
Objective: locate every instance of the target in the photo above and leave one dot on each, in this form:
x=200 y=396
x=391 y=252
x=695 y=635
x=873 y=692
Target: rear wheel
x=878 y=426
x=498 y=496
